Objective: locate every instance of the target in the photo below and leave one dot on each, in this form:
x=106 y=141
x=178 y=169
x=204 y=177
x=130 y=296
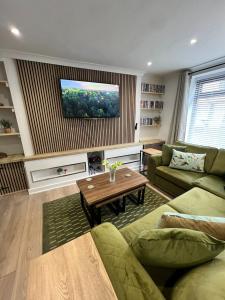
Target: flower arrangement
x=112 y=168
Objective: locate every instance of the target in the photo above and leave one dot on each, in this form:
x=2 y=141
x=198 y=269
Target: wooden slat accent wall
x=52 y=132
x=12 y=178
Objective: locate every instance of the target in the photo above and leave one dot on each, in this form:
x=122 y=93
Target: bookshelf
x=151 y=106
x=10 y=142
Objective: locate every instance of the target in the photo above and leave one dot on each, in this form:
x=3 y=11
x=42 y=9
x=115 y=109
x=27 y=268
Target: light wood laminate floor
x=21 y=237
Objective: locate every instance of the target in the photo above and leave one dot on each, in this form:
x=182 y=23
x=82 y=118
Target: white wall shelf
x=5 y=82
x=2 y=134
x=50 y=173
x=152 y=93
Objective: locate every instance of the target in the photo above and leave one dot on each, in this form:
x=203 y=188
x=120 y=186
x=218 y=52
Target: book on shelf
x=148 y=104
x=152 y=88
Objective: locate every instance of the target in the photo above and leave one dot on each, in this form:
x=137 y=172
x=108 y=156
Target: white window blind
x=206 y=121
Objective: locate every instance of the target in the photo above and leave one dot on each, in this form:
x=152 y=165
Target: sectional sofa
x=133 y=281
x=199 y=194
x=176 y=182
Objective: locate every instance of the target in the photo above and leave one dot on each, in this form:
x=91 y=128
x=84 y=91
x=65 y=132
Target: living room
x=112 y=150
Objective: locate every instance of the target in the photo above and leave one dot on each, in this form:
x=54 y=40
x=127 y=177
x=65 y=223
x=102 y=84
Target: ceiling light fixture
x=149 y=63
x=193 y=41
x=15 y=31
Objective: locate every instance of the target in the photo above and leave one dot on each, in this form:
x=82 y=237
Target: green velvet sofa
x=133 y=281
x=176 y=182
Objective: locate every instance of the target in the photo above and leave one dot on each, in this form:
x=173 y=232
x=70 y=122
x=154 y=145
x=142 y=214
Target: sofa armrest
x=127 y=275
x=153 y=162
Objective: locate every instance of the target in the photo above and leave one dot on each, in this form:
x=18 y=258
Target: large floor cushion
x=182 y=178
x=213 y=184
x=205 y=282
x=129 y=279
x=199 y=202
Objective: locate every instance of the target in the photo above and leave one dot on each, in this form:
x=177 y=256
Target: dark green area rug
x=64 y=219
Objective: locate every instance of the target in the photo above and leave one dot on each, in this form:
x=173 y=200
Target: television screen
x=82 y=99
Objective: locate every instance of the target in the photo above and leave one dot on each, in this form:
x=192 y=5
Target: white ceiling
x=124 y=33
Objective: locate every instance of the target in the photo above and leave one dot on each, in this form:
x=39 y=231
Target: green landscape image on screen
x=82 y=99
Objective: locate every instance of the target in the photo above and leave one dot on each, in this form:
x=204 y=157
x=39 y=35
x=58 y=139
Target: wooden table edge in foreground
x=72 y=271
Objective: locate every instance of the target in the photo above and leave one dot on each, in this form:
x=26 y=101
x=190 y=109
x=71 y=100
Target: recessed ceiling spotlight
x=193 y=41
x=149 y=63
x=15 y=31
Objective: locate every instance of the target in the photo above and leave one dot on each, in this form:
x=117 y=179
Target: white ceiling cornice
x=9 y=53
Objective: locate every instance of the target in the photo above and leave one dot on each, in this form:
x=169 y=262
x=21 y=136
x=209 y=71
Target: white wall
x=170 y=80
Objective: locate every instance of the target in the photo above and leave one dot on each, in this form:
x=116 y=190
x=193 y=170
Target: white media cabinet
x=41 y=170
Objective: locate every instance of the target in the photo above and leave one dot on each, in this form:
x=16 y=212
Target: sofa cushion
x=213 y=184
x=203 y=282
x=128 y=277
x=167 y=152
x=188 y=161
x=181 y=178
x=214 y=226
x=147 y=222
x=199 y=202
x=160 y=275
x=175 y=247
x=210 y=153
x=218 y=167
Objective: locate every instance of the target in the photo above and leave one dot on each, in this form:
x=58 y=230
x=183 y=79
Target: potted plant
x=59 y=171
x=6 y=125
x=157 y=120
x=112 y=168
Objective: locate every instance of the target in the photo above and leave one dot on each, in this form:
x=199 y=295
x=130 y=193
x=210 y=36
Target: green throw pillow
x=175 y=247
x=167 y=152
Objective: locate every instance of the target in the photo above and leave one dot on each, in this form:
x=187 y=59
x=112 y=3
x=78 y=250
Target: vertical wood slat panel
x=12 y=177
x=50 y=131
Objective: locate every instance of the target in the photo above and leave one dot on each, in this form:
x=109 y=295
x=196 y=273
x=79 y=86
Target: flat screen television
x=81 y=99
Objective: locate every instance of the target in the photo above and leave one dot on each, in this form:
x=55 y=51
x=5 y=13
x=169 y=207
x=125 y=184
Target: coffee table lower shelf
x=116 y=204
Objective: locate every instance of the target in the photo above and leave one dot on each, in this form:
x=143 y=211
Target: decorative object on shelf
x=1 y=104
x=157 y=120
x=6 y=125
x=65 y=170
x=3 y=155
x=112 y=168
x=152 y=88
x=59 y=171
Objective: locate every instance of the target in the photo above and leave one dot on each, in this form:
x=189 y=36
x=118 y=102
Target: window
x=206 y=114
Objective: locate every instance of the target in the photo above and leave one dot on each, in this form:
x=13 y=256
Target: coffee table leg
x=82 y=200
x=142 y=199
x=99 y=217
x=92 y=216
x=123 y=204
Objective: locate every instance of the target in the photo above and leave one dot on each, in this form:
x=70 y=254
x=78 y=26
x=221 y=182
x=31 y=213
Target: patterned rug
x=64 y=219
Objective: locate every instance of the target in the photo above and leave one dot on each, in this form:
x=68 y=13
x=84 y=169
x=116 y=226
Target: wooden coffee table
x=105 y=192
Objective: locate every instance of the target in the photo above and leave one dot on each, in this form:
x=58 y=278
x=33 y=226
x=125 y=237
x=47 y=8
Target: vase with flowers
x=112 y=168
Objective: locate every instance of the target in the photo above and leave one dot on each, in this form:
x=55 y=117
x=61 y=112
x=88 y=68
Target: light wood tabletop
x=126 y=180
x=151 y=151
x=72 y=271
